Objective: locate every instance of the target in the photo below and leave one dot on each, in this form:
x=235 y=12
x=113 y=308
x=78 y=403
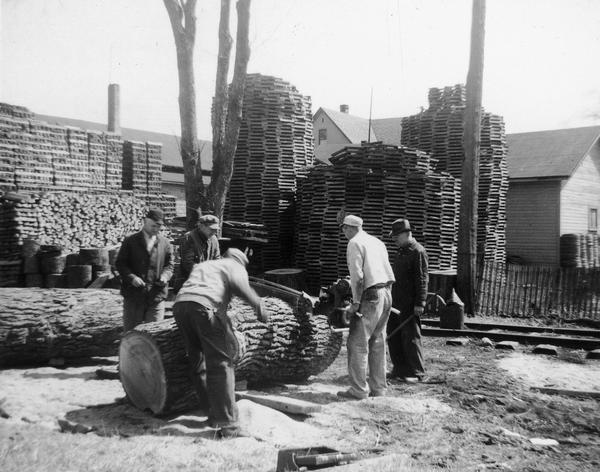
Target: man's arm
x=122 y=262
x=421 y=278
x=187 y=251
x=355 y=261
x=213 y=249
x=168 y=266
x=240 y=286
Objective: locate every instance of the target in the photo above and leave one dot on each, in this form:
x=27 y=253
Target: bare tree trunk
x=227 y=113
x=183 y=22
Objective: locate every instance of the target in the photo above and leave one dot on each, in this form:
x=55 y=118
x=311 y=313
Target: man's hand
x=418 y=311
x=262 y=313
x=137 y=282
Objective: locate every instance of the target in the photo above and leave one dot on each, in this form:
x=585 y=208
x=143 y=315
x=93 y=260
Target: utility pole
x=466 y=276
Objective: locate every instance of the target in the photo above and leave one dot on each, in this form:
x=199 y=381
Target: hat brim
x=213 y=226
x=396 y=233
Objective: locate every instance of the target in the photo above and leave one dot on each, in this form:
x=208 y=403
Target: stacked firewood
x=274 y=147
x=439 y=131
x=379 y=183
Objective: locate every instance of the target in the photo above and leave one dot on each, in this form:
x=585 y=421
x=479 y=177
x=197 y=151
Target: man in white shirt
x=371 y=277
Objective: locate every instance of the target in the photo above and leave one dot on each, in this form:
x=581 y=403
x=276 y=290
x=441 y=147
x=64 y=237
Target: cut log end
x=142 y=372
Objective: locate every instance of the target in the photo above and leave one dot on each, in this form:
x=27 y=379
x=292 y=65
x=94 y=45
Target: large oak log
x=37 y=325
x=295 y=344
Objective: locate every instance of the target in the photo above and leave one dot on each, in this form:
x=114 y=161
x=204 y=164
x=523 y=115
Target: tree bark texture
x=228 y=102
x=37 y=325
x=183 y=23
x=295 y=344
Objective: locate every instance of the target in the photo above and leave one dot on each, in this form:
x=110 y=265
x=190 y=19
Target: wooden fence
x=530 y=291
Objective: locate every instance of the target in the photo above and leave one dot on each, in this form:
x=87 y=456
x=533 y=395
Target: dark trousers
x=205 y=335
x=406 y=348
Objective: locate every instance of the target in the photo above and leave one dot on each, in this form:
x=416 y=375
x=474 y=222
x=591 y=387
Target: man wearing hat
x=409 y=294
x=200 y=311
x=371 y=277
x=199 y=245
x=145 y=264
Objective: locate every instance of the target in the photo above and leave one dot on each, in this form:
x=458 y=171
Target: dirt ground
x=478 y=413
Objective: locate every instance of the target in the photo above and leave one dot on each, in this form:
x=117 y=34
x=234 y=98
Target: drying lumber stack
x=135 y=168
x=439 y=131
x=97 y=159
x=78 y=157
x=153 y=168
x=580 y=250
x=274 y=147
x=114 y=165
x=380 y=183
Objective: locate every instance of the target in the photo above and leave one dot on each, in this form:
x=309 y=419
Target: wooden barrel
x=31 y=264
x=55 y=281
x=52 y=264
x=293 y=278
x=30 y=247
x=73 y=259
x=98 y=270
x=93 y=256
x=113 y=252
x=34 y=280
x=79 y=276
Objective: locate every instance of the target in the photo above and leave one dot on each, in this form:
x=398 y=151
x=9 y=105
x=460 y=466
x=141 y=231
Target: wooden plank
x=281 y=403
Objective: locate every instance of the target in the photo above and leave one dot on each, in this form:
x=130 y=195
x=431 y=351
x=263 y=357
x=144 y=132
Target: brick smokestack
x=344 y=108
x=114 y=109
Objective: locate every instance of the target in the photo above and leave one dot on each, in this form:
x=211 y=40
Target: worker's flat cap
x=401 y=225
x=209 y=220
x=352 y=220
x=156 y=214
x=236 y=254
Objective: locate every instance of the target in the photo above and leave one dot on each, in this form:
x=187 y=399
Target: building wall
x=580 y=194
x=532 y=221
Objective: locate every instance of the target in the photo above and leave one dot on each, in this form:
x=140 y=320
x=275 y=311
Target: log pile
x=439 y=132
x=295 y=344
x=380 y=183
x=38 y=325
x=274 y=146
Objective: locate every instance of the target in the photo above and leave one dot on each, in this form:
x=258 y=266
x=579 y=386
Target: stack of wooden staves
x=439 y=131
x=580 y=250
x=274 y=147
x=379 y=183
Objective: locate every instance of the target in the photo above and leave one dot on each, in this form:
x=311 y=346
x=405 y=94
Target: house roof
x=388 y=130
x=170 y=143
x=549 y=154
x=355 y=128
x=324 y=151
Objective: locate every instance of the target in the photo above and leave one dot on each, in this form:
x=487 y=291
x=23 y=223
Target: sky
x=541 y=68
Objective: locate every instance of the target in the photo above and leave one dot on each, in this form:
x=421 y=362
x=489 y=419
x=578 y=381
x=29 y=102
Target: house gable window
x=322 y=135
x=593 y=220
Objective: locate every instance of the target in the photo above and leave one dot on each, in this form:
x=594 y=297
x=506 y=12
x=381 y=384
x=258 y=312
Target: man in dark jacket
x=199 y=245
x=145 y=264
x=409 y=294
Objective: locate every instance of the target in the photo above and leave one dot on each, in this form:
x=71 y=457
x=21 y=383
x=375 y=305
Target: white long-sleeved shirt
x=368 y=263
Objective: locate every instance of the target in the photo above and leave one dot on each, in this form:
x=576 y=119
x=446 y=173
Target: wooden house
x=554 y=189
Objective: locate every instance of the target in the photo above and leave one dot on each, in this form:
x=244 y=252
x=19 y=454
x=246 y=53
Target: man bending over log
x=200 y=311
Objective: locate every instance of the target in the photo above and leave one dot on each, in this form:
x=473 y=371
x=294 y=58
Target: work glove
x=418 y=311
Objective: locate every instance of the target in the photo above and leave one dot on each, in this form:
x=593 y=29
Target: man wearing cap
x=145 y=264
x=371 y=277
x=409 y=294
x=200 y=311
x=199 y=245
